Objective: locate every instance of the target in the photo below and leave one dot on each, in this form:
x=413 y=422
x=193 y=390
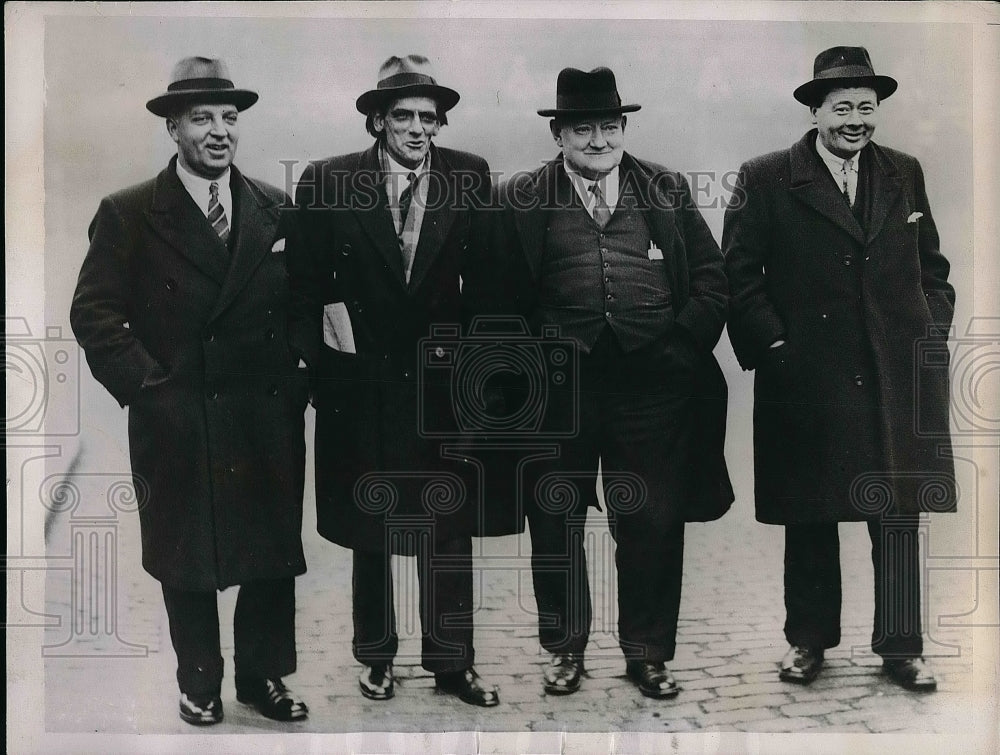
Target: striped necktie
x=602 y=213
x=216 y=214
x=845 y=169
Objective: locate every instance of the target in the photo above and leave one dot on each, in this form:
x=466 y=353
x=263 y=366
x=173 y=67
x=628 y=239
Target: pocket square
x=654 y=252
x=279 y=246
x=338 y=333
x=914 y=217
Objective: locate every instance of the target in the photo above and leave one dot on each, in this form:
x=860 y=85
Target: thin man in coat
x=388 y=236
x=838 y=281
x=182 y=310
x=611 y=252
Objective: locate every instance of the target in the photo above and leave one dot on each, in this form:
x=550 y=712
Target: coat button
x=858 y=381
x=610 y=297
x=210 y=337
x=607 y=315
x=407 y=374
x=213 y=395
x=345 y=249
x=273 y=390
x=270 y=335
x=358 y=307
x=171 y=284
x=848 y=259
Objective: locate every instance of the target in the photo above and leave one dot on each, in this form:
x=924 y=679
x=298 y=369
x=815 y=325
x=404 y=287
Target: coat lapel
x=366 y=197
x=812 y=187
x=254 y=226
x=886 y=187
x=439 y=215
x=536 y=196
x=176 y=219
x=656 y=207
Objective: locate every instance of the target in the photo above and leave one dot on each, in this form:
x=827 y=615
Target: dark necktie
x=846 y=169
x=602 y=215
x=405 y=198
x=216 y=214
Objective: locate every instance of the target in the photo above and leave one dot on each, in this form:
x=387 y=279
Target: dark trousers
x=813 y=593
x=627 y=407
x=263 y=634
x=444 y=573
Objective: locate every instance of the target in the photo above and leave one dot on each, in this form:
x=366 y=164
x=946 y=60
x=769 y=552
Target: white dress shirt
x=839 y=168
x=397 y=179
x=610 y=187
x=198 y=188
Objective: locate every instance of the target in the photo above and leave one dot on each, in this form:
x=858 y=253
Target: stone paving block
x=729 y=717
x=814 y=708
x=763 y=688
x=750 y=701
x=708 y=683
x=740 y=668
x=778 y=724
x=835 y=693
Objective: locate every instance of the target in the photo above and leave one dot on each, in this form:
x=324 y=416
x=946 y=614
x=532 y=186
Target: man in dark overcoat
x=837 y=279
x=610 y=252
x=182 y=310
x=389 y=236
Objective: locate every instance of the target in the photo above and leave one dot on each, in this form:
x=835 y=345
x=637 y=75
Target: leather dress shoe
x=653 y=679
x=377 y=682
x=200 y=711
x=468 y=687
x=801 y=664
x=271 y=698
x=562 y=673
x=911 y=673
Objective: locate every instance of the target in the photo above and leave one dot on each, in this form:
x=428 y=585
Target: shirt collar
x=609 y=185
x=198 y=188
x=391 y=165
x=834 y=162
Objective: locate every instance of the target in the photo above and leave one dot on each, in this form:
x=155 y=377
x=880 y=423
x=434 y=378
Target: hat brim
x=812 y=92
x=374 y=98
x=571 y=112
x=167 y=103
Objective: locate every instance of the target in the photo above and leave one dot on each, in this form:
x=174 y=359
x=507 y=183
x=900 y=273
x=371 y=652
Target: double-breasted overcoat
x=851 y=413
x=386 y=469
x=193 y=338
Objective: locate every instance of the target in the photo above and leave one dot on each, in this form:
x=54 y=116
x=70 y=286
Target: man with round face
x=181 y=308
x=607 y=258
x=389 y=237
x=839 y=288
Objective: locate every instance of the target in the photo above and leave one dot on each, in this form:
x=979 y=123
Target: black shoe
x=200 y=711
x=801 y=664
x=271 y=699
x=468 y=687
x=910 y=673
x=562 y=674
x=376 y=681
x=653 y=679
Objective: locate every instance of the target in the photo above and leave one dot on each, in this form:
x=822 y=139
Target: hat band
x=406 y=79
x=589 y=101
x=845 y=72
x=195 y=84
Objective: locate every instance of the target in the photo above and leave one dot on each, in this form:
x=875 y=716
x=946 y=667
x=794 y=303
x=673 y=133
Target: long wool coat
x=694 y=270
x=193 y=338
x=382 y=475
x=850 y=418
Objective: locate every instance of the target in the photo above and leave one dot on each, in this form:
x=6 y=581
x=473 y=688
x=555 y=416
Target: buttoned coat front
x=381 y=478
x=193 y=338
x=851 y=414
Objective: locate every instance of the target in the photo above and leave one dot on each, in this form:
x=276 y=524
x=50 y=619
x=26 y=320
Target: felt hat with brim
x=409 y=76
x=582 y=93
x=842 y=68
x=200 y=80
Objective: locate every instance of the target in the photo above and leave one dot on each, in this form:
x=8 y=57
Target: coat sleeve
x=704 y=314
x=754 y=323
x=99 y=314
x=934 y=266
x=305 y=329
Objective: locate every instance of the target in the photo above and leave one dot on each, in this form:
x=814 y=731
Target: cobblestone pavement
x=113 y=670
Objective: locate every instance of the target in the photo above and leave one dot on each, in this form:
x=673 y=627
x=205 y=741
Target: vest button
x=610 y=297
x=213 y=395
x=607 y=264
x=858 y=381
x=848 y=259
x=607 y=315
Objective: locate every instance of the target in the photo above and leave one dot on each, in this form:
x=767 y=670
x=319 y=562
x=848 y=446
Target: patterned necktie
x=845 y=169
x=602 y=215
x=406 y=197
x=216 y=214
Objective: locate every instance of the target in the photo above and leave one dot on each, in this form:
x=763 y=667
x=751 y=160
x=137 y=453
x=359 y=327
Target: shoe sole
x=388 y=695
x=554 y=690
x=199 y=721
x=250 y=704
x=659 y=694
x=798 y=678
x=910 y=686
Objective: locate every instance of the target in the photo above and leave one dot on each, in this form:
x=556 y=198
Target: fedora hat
x=842 y=67
x=587 y=92
x=200 y=80
x=409 y=76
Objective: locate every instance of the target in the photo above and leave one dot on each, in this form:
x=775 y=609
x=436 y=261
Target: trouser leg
x=375 y=640
x=444 y=570
x=194 y=633
x=812 y=585
x=264 y=629
x=896 y=631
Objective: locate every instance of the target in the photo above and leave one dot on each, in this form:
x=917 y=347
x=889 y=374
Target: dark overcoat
x=694 y=271
x=192 y=337
x=851 y=414
x=383 y=475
